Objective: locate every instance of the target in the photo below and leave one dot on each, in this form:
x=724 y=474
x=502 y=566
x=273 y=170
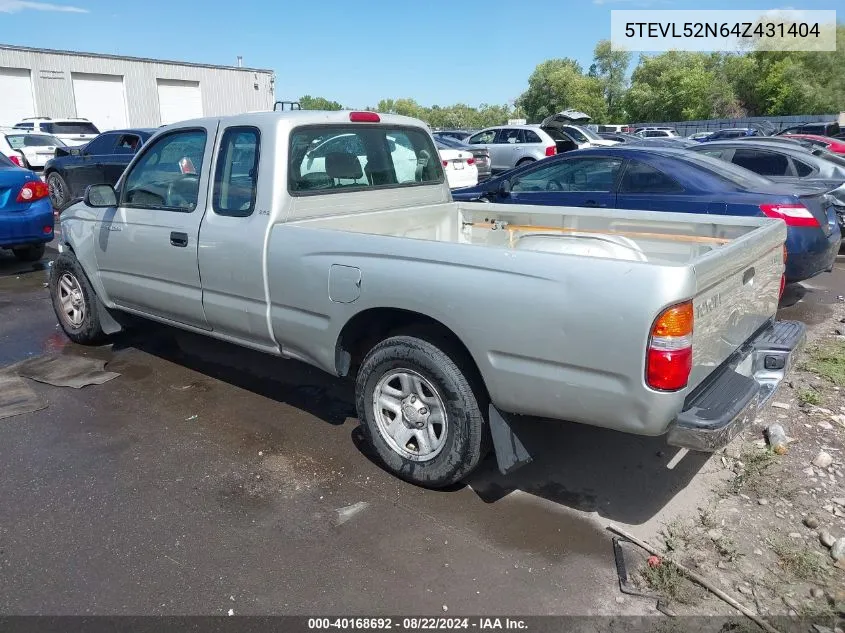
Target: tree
x=560 y=84
x=318 y=103
x=609 y=67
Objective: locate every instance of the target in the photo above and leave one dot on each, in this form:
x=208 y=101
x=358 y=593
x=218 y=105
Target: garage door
x=179 y=100
x=16 y=101
x=100 y=99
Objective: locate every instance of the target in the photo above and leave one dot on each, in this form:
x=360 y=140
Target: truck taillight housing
x=551 y=150
x=32 y=191
x=669 y=355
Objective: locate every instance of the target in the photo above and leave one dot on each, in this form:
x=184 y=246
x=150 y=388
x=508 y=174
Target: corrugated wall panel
x=224 y=90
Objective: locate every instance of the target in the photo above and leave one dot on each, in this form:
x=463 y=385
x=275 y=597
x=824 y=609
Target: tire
x=426 y=387
x=525 y=161
x=30 y=253
x=59 y=192
x=75 y=302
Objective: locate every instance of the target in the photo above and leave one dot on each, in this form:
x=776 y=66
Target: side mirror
x=99 y=196
x=505 y=188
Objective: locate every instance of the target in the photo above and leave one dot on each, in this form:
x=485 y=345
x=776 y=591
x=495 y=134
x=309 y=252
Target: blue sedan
x=668 y=179
x=26 y=215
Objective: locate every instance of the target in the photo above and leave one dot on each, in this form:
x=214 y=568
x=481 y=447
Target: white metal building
x=117 y=92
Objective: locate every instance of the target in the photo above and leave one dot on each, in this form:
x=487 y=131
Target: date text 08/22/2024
x=417 y=623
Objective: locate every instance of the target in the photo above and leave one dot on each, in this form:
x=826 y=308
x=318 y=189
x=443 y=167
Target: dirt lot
x=207 y=478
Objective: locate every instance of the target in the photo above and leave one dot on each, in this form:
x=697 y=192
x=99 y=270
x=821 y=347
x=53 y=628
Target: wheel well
x=367 y=328
x=525 y=160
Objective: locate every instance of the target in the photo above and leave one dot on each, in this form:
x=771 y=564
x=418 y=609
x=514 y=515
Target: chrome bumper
x=730 y=399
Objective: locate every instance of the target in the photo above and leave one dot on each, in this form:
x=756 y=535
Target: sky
x=436 y=52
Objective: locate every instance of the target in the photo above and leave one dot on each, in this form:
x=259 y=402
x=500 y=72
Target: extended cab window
x=167 y=175
x=325 y=159
x=236 y=174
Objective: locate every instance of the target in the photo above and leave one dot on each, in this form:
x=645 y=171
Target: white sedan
x=28 y=150
x=459 y=166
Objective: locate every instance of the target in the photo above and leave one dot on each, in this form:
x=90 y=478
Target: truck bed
x=593 y=281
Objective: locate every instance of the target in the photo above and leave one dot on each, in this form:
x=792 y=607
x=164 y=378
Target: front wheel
x=420 y=412
x=29 y=253
x=74 y=301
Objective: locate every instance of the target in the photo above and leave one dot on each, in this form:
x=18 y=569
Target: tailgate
x=737 y=292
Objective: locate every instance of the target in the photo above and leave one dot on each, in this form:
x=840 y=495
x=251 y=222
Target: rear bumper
x=719 y=409
x=810 y=252
x=23 y=228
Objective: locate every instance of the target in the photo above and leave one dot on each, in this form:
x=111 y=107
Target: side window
x=127 y=144
x=642 y=178
x=576 y=174
x=167 y=174
x=486 y=136
x=103 y=144
x=802 y=169
x=763 y=163
x=509 y=136
x=236 y=175
x=530 y=136
x=715 y=153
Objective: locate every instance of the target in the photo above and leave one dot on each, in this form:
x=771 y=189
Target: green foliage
x=609 y=67
x=828 y=361
x=560 y=84
x=458 y=115
x=318 y=103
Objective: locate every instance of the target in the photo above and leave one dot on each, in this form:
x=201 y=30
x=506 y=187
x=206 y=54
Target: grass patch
x=809 y=396
x=677 y=536
x=828 y=361
x=757 y=462
x=800 y=561
x=666 y=580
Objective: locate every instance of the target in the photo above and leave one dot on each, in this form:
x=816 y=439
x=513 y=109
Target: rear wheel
x=29 y=253
x=74 y=301
x=59 y=192
x=420 y=412
x=525 y=161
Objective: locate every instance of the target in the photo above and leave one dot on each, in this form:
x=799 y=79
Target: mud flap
x=107 y=322
x=511 y=453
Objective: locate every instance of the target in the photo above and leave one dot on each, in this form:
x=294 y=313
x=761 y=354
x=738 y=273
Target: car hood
x=566 y=117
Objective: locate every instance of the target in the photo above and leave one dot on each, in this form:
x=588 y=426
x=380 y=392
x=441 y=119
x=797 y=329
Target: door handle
x=594 y=204
x=179 y=239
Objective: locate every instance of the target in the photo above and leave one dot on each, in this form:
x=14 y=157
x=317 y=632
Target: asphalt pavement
x=208 y=478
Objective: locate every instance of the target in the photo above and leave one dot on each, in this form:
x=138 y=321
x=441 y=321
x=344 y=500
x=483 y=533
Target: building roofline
x=28 y=49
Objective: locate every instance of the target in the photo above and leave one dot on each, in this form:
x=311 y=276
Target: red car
x=835 y=145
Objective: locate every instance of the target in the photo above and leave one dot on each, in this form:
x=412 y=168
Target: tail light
x=445 y=163
x=792 y=214
x=16 y=160
x=364 y=117
x=669 y=356
x=551 y=150
x=32 y=191
x=186 y=166
x=470 y=161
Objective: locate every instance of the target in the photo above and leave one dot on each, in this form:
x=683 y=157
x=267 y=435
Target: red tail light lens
x=32 y=191
x=792 y=214
x=445 y=163
x=669 y=356
x=551 y=150
x=364 y=117
x=16 y=160
x=470 y=161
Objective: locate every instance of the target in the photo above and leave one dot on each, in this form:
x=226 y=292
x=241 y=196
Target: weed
x=667 y=580
x=707 y=517
x=809 y=396
x=756 y=463
x=800 y=561
x=828 y=361
x=676 y=536
x=727 y=549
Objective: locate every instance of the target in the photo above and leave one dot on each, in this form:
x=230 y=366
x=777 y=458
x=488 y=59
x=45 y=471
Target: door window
x=486 y=136
x=167 y=174
x=127 y=144
x=103 y=144
x=802 y=169
x=530 y=136
x=236 y=175
x=510 y=137
x=762 y=162
x=577 y=174
x=642 y=178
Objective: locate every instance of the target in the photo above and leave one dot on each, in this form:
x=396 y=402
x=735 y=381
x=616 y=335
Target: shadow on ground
x=622 y=477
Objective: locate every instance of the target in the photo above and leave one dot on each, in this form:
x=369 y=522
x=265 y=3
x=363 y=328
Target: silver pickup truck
x=332 y=238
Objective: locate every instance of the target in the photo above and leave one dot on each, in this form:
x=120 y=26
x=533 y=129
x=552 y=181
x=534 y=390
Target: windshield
x=588 y=133
x=17 y=141
x=451 y=143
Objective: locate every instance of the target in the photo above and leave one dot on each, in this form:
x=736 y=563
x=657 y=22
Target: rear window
x=330 y=159
x=70 y=127
x=17 y=141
